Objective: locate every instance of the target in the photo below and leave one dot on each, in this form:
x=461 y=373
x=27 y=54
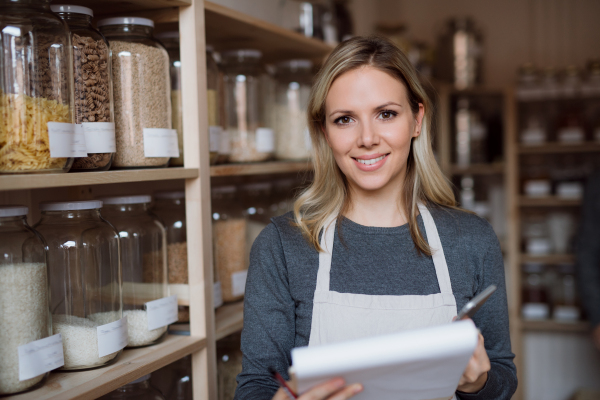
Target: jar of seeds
x=142 y=94
x=93 y=89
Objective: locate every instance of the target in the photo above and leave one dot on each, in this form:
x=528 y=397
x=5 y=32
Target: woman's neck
x=381 y=208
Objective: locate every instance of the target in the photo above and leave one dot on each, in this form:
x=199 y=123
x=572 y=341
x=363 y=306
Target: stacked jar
x=142 y=94
x=36 y=89
x=144 y=258
x=251 y=140
x=95 y=129
x=257 y=201
x=84 y=271
x=294 y=81
x=25 y=315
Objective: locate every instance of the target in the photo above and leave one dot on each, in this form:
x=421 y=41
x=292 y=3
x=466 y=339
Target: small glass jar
x=36 y=89
x=256 y=200
x=294 y=80
x=84 y=270
x=93 y=89
x=566 y=307
x=229 y=365
x=175 y=380
x=139 y=389
x=251 y=140
x=25 y=315
x=535 y=299
x=528 y=85
x=142 y=93
x=229 y=242
x=144 y=258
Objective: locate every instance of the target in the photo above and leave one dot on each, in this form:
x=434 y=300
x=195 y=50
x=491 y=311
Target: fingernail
x=357 y=388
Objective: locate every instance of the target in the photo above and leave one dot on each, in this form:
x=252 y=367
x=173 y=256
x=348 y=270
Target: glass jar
x=256 y=200
x=535 y=299
x=528 y=86
x=139 y=389
x=144 y=259
x=566 y=308
x=93 y=89
x=36 y=89
x=170 y=41
x=229 y=242
x=25 y=315
x=294 y=80
x=142 y=94
x=212 y=91
x=251 y=140
x=84 y=270
x=229 y=365
x=175 y=380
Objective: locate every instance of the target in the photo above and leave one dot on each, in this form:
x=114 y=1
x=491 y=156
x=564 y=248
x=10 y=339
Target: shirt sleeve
x=588 y=251
x=492 y=320
x=269 y=319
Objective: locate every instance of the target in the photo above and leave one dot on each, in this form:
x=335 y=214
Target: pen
x=282 y=383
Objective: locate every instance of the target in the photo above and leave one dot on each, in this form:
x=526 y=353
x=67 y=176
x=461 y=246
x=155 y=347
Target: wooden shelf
x=229 y=319
x=478 y=169
x=274 y=167
x=556 y=148
x=550 y=201
x=553 y=326
x=551 y=259
x=131 y=365
x=38 y=181
x=227 y=29
x=115 y=7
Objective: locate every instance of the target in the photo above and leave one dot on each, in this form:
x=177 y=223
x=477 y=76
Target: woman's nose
x=368 y=136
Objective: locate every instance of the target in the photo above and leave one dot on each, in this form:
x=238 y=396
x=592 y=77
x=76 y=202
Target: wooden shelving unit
x=478 y=169
x=553 y=326
x=273 y=167
x=229 y=319
x=560 y=148
x=550 y=259
x=550 y=201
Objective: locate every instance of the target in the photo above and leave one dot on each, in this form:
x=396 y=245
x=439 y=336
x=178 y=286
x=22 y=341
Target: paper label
x=571 y=135
x=265 y=140
x=217 y=295
x=60 y=135
x=100 y=137
x=225 y=143
x=112 y=337
x=238 y=283
x=38 y=357
x=161 y=312
x=79 y=147
x=161 y=142
x=214 y=136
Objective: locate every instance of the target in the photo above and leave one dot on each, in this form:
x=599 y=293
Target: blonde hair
x=328 y=195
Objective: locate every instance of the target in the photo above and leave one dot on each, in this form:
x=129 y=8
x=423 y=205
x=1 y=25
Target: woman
x=380 y=201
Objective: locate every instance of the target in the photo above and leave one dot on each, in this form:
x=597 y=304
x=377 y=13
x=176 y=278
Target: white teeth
x=369 y=162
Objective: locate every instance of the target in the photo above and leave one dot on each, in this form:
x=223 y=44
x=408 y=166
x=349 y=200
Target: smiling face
x=369 y=126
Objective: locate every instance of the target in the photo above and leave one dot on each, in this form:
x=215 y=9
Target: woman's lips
x=371 y=164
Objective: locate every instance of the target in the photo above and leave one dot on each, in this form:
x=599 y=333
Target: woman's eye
x=343 y=120
x=387 y=114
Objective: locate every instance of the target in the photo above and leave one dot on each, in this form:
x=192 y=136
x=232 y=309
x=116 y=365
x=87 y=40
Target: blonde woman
x=354 y=258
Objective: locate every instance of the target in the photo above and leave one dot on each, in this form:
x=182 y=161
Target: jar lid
x=70 y=205
x=243 y=53
x=138 y=199
x=180 y=194
x=223 y=189
x=68 y=8
x=296 y=64
x=126 y=21
x=13 y=211
x=142 y=379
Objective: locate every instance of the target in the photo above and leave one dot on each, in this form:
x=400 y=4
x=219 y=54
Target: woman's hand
x=334 y=389
x=476 y=373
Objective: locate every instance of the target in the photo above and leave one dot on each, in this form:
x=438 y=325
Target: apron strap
x=325 y=256
x=439 y=260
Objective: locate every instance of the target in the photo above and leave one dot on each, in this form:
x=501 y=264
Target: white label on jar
x=161 y=312
x=533 y=136
x=225 y=143
x=535 y=311
x=79 y=147
x=537 y=188
x=112 y=337
x=217 y=295
x=214 y=136
x=100 y=137
x=60 y=135
x=571 y=135
x=40 y=356
x=265 y=140
x=160 y=142
x=566 y=313
x=238 y=283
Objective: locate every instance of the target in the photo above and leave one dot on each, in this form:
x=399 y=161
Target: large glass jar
x=294 y=79
x=566 y=304
x=142 y=93
x=93 y=89
x=229 y=365
x=250 y=139
x=25 y=315
x=84 y=270
x=535 y=298
x=256 y=200
x=144 y=259
x=36 y=89
x=229 y=242
x=212 y=90
x=175 y=380
x=139 y=389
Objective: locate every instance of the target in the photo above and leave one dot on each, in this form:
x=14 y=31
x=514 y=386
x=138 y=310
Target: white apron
x=341 y=317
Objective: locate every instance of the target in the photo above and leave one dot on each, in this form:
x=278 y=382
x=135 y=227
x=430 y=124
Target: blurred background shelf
x=553 y=326
x=478 y=169
x=550 y=201
x=273 y=167
x=557 y=148
x=551 y=259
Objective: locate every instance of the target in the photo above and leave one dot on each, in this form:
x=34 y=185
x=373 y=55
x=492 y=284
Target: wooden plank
x=113 y=7
x=227 y=29
x=554 y=326
x=229 y=319
x=558 y=148
x=273 y=167
x=550 y=201
x=40 y=181
x=131 y=365
x=478 y=169
x=551 y=259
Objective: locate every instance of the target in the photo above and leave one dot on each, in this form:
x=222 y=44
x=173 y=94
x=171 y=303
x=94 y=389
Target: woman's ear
x=419 y=121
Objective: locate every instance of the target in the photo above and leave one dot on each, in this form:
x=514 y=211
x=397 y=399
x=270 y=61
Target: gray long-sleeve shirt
x=374 y=261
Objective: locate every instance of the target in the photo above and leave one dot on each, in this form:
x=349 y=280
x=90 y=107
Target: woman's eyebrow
x=389 y=103
x=341 y=112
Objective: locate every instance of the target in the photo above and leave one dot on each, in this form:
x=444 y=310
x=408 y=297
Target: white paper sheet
x=421 y=364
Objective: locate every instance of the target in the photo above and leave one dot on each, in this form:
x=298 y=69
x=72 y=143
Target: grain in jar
x=142 y=94
x=229 y=242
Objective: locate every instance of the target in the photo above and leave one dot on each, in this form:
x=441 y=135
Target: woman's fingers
x=347 y=392
x=331 y=390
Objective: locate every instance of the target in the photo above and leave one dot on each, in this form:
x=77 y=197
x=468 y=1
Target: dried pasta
x=24 y=141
